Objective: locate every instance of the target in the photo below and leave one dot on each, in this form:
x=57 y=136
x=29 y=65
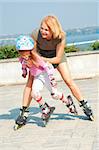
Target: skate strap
x=82 y=103
x=44 y=106
x=52 y=79
x=24 y=110
x=70 y=104
x=52 y=94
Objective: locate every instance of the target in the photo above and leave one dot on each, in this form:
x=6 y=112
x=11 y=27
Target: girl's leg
x=27 y=92
x=37 y=88
x=26 y=102
x=52 y=87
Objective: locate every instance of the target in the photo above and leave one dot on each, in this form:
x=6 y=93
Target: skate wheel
x=92 y=118
x=44 y=123
x=76 y=113
x=16 y=127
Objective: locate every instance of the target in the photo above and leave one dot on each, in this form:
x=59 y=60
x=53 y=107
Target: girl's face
x=45 y=31
x=25 y=54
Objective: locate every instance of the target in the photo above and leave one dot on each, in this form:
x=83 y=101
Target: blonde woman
x=49 y=41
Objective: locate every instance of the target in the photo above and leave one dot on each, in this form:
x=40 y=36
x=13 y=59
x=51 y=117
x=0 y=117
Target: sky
x=22 y=16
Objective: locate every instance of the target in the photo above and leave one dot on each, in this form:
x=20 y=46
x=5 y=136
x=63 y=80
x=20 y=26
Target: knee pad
x=37 y=97
x=56 y=95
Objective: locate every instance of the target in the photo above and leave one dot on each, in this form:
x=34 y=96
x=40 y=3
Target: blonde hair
x=54 y=25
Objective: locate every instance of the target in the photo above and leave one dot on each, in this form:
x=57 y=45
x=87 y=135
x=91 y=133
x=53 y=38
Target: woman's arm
x=59 y=54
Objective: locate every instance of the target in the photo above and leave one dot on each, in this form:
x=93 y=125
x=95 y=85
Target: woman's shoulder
x=35 y=34
x=63 y=37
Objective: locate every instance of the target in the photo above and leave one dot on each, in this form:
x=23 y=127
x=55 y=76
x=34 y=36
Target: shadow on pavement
x=68 y=117
x=13 y=113
x=32 y=119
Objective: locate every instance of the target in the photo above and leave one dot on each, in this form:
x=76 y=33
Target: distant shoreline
x=79 y=37
x=69 y=32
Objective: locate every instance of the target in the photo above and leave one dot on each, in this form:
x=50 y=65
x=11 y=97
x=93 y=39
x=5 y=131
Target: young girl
x=43 y=75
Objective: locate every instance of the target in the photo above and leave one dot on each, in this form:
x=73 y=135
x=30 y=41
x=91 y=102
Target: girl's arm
x=41 y=63
x=24 y=68
x=24 y=71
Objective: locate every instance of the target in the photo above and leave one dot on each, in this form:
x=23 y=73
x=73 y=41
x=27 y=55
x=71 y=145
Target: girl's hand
x=29 y=63
x=24 y=74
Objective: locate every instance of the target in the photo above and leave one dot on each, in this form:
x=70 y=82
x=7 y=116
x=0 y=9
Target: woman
x=49 y=42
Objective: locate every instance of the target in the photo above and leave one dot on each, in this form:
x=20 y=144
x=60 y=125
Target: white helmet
x=24 y=43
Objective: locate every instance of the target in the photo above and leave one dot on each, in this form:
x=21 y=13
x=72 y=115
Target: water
x=82 y=41
x=82 y=38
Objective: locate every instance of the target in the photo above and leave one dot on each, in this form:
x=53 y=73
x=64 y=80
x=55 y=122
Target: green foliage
x=71 y=48
x=8 y=51
x=95 y=45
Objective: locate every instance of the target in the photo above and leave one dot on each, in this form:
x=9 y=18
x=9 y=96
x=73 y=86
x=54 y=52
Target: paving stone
x=63 y=132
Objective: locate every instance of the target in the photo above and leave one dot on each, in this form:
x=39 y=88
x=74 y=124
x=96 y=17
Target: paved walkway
x=63 y=132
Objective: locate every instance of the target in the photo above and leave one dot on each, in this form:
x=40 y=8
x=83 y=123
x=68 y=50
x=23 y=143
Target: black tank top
x=47 y=48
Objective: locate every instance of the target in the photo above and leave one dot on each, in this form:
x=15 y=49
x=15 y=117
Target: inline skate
x=87 y=110
x=22 y=119
x=46 y=113
x=70 y=104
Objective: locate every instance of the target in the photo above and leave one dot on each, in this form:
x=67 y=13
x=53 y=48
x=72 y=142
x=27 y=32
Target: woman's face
x=45 y=31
